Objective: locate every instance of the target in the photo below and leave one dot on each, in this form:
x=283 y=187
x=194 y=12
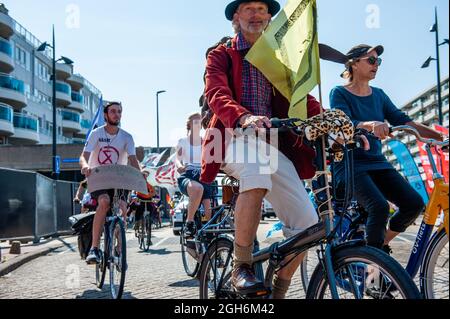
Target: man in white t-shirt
x=107 y=145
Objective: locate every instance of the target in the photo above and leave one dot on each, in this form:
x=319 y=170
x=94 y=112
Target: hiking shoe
x=94 y=257
x=190 y=230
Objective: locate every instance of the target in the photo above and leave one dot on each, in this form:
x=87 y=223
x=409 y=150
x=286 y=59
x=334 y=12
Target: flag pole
x=329 y=213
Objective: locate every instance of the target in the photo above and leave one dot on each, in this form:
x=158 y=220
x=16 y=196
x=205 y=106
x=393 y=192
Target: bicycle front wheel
x=148 y=233
x=100 y=269
x=189 y=255
x=117 y=259
x=434 y=279
x=141 y=233
x=215 y=271
x=363 y=273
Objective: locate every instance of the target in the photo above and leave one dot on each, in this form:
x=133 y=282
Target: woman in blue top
x=376 y=180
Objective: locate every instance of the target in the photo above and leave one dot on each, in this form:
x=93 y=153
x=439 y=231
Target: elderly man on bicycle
x=241 y=97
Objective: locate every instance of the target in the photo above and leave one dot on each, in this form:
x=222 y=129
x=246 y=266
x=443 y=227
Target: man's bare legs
x=99 y=219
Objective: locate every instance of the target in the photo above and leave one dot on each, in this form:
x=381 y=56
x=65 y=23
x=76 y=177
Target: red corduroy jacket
x=223 y=92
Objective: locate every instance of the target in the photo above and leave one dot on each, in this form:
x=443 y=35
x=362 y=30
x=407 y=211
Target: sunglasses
x=373 y=60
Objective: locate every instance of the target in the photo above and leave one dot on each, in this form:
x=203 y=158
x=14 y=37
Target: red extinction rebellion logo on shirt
x=108 y=155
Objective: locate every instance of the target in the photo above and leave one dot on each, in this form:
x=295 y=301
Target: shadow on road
x=162 y=251
x=103 y=294
x=186 y=283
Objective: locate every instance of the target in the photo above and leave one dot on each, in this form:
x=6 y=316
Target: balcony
x=77 y=140
x=76 y=81
x=85 y=127
x=6 y=120
x=77 y=102
x=415 y=110
x=26 y=130
x=71 y=121
x=444 y=108
x=63 y=94
x=429 y=101
x=6 y=26
x=391 y=158
x=430 y=116
x=414 y=150
x=6 y=56
x=63 y=71
x=12 y=92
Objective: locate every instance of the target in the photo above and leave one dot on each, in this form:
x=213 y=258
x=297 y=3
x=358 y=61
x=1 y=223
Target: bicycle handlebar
x=413 y=131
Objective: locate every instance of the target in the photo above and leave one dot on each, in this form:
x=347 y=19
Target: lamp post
x=435 y=29
x=157 y=118
x=41 y=48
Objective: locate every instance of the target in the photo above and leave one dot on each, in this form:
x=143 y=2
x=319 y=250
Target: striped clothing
x=256 y=89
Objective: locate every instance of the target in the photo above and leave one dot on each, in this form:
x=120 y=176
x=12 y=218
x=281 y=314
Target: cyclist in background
x=188 y=163
x=107 y=145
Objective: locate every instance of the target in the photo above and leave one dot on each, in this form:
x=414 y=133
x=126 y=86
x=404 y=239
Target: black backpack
x=206 y=111
x=82 y=226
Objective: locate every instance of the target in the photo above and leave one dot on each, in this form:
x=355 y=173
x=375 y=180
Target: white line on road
x=66 y=251
x=161 y=241
x=404 y=239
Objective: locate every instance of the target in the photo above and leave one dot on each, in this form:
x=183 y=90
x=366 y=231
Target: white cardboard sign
x=116 y=177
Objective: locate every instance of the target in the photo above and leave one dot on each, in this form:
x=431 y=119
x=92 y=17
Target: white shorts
x=250 y=161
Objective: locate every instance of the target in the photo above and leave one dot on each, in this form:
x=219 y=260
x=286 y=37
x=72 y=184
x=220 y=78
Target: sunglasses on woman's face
x=373 y=60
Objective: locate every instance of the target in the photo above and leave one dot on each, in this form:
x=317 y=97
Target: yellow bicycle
x=430 y=251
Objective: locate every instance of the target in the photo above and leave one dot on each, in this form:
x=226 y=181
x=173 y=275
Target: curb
x=15 y=263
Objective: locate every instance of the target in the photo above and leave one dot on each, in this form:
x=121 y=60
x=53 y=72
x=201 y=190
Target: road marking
x=66 y=251
x=161 y=241
x=404 y=239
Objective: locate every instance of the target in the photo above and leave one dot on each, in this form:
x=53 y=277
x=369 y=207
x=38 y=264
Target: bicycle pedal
x=260 y=294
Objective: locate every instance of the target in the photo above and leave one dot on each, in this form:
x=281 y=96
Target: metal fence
x=33 y=206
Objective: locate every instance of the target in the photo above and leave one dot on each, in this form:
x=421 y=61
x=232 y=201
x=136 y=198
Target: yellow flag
x=288 y=54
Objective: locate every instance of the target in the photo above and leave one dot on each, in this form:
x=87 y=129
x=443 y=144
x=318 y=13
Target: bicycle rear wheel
x=434 y=271
x=117 y=258
x=363 y=273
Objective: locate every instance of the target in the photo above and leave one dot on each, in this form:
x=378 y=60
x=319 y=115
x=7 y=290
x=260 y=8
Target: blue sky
x=130 y=50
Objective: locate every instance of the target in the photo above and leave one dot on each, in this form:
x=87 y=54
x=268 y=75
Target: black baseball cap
x=363 y=49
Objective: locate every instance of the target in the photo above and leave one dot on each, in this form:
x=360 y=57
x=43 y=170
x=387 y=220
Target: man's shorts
x=122 y=193
x=193 y=175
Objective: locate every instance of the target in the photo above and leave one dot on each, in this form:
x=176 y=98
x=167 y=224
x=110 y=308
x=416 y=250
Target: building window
x=22 y=58
x=27 y=90
x=446 y=86
x=41 y=70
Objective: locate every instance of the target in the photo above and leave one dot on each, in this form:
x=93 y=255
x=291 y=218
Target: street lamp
x=41 y=48
x=157 y=117
x=435 y=28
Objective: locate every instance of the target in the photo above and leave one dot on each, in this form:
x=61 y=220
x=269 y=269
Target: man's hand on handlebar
x=255 y=122
x=86 y=171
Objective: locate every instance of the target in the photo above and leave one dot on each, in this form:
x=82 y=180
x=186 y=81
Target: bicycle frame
x=438 y=203
x=211 y=227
